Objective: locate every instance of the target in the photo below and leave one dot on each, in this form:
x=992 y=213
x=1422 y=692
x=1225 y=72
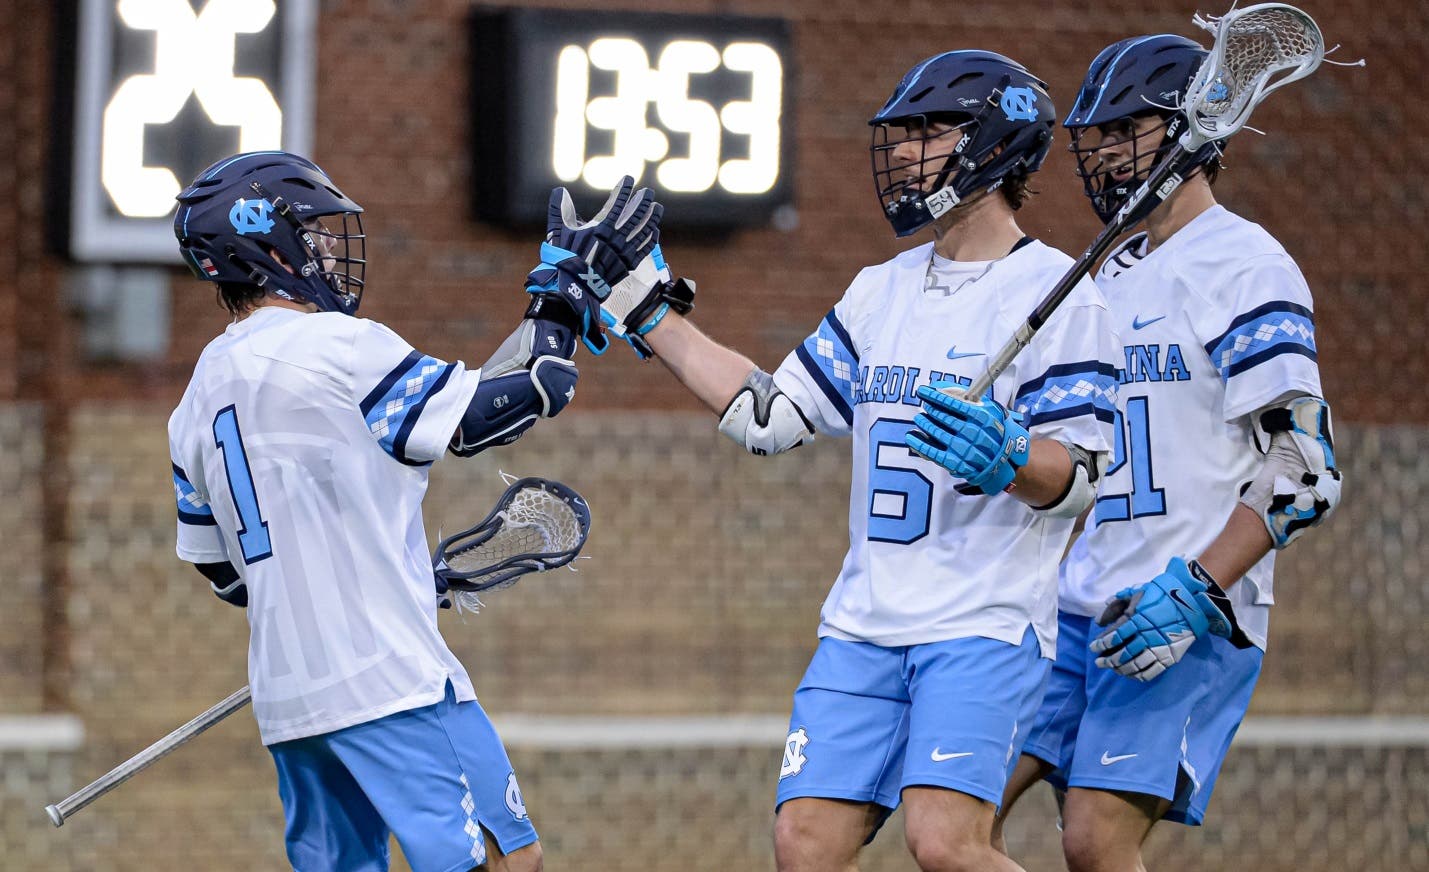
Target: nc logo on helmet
x=1019 y=104
x=251 y=216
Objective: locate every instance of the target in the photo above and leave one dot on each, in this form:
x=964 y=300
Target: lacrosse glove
x=582 y=261
x=224 y=581
x=979 y=442
x=643 y=298
x=1151 y=627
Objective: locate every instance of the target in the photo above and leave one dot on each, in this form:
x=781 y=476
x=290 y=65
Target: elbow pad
x=763 y=419
x=1298 y=486
x=1087 y=469
x=505 y=407
x=536 y=336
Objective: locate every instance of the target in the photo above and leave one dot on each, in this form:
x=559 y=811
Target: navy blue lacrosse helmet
x=1005 y=117
x=270 y=219
x=1134 y=78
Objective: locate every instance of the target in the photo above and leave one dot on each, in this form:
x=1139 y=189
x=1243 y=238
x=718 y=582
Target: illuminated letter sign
x=166 y=87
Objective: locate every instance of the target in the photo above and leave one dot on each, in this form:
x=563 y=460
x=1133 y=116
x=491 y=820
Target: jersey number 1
x=1133 y=445
x=252 y=529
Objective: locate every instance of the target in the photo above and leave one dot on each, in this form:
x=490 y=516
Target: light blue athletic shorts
x=869 y=721
x=433 y=776
x=1166 y=737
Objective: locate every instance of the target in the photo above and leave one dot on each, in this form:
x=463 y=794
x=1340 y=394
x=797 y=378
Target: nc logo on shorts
x=514 y=803
x=250 y=216
x=1019 y=104
x=794 y=758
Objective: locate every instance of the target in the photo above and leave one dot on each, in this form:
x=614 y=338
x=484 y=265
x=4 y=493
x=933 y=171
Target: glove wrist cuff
x=1200 y=573
x=678 y=295
x=1222 y=600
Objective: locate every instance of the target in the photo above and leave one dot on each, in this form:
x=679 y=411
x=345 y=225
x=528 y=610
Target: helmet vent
x=965 y=77
x=921 y=94
x=1160 y=71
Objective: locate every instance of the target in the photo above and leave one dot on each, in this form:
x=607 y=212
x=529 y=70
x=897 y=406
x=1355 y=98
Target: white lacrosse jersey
x=925 y=563
x=300 y=451
x=1217 y=324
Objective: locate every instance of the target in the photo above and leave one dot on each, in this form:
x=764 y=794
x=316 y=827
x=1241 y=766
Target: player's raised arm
x=532 y=374
x=648 y=311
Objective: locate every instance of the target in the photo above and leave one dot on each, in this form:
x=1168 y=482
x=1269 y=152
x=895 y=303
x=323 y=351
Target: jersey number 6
x=899 y=499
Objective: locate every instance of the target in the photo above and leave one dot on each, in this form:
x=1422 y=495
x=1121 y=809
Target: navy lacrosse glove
x=977 y=441
x=582 y=261
x=1153 y=625
x=444 y=597
x=224 y=581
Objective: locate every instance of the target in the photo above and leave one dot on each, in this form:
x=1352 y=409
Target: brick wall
x=1338 y=180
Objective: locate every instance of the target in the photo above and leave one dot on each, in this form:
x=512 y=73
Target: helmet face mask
x=340 y=258
x=913 y=160
x=1109 y=181
x=274 y=221
x=1135 y=84
x=957 y=126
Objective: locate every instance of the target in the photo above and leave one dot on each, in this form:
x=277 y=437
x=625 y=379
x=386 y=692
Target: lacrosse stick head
x=1258 y=49
x=536 y=525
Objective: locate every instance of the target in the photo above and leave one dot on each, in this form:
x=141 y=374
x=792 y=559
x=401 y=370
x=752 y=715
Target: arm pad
x=763 y=419
x=1298 y=485
x=1087 y=469
x=505 y=407
x=225 y=582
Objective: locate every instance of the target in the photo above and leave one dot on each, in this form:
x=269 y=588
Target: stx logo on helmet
x=1019 y=104
x=251 y=216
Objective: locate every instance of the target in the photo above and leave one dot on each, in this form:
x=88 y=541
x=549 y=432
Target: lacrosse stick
x=66 y=807
x=536 y=525
x=1257 y=50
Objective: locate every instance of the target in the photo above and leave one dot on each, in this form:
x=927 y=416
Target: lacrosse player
x=1223 y=456
x=935 y=637
x=301 y=451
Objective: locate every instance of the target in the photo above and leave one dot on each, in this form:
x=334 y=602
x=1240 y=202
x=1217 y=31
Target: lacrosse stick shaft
x=1119 y=224
x=1266 y=19
x=66 y=807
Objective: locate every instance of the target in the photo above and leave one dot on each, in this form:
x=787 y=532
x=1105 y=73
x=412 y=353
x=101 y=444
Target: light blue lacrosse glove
x=1150 y=627
x=977 y=441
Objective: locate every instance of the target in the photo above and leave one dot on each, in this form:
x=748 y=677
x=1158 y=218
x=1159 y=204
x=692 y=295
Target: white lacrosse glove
x=641 y=300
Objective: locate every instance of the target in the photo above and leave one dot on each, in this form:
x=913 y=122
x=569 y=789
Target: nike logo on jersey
x=1137 y=323
x=954 y=355
x=1107 y=759
x=940 y=757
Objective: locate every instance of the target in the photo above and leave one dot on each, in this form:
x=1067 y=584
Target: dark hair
x=1015 y=188
x=1212 y=170
x=238 y=297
